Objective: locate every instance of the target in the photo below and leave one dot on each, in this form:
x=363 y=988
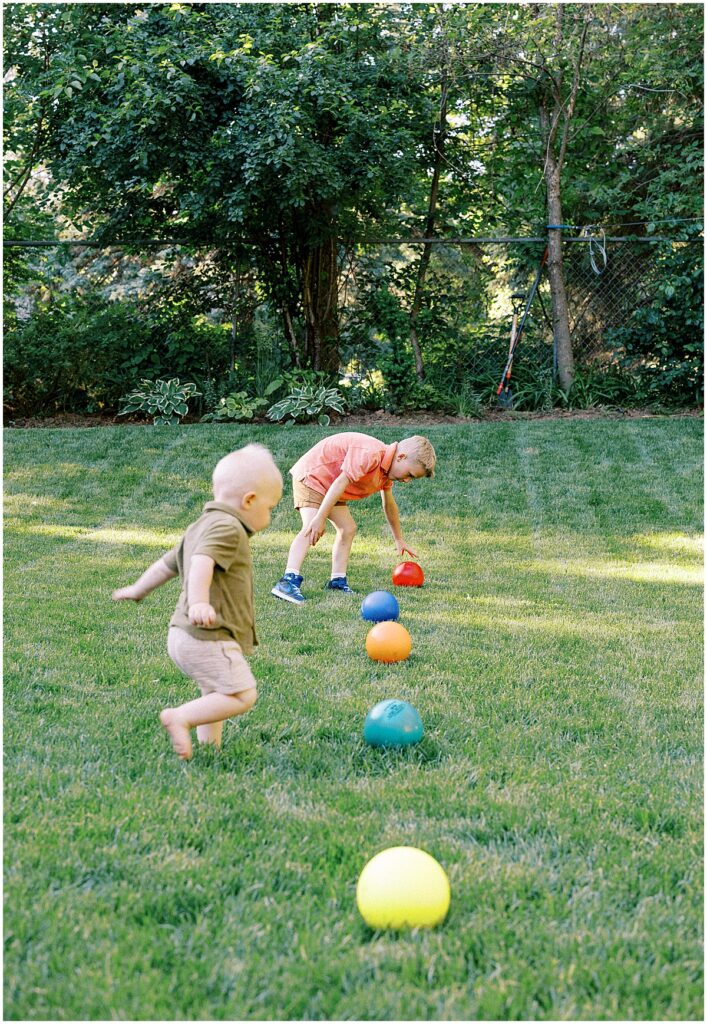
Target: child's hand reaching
x=127 y=594
x=315 y=530
x=402 y=548
x=202 y=614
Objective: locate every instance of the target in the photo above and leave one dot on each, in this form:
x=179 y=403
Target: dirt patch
x=382 y=418
x=387 y=419
x=379 y=418
x=70 y=419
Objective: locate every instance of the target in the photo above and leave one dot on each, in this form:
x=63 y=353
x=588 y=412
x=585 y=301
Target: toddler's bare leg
x=207 y=710
x=210 y=733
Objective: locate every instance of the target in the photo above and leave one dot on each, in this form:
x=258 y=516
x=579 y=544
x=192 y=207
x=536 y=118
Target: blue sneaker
x=339 y=584
x=288 y=588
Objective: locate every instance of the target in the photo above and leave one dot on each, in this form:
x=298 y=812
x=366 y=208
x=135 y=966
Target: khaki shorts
x=305 y=497
x=216 y=666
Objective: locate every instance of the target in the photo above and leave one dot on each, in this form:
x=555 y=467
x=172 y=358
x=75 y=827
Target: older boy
x=213 y=624
x=342 y=468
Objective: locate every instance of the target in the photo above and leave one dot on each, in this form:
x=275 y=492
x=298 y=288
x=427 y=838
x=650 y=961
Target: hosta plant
x=236 y=406
x=307 y=403
x=164 y=400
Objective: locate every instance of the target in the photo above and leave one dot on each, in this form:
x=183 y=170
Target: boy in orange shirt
x=342 y=468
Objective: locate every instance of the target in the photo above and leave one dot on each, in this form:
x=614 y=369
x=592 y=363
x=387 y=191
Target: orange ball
x=388 y=641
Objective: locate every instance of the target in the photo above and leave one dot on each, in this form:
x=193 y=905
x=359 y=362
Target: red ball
x=408 y=574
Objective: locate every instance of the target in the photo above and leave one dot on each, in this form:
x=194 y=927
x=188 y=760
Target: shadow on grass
x=375 y=761
x=289 y=754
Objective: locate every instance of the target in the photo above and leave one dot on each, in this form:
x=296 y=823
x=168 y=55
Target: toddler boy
x=342 y=468
x=213 y=625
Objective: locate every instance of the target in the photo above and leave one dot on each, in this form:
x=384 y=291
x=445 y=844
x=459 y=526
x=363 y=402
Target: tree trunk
x=234 y=319
x=291 y=336
x=320 y=300
x=555 y=143
x=439 y=137
x=560 y=314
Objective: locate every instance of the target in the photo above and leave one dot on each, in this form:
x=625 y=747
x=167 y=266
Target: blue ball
x=380 y=606
x=392 y=723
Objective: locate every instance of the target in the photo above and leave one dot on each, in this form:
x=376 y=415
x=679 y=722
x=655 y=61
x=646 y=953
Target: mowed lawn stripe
x=556 y=664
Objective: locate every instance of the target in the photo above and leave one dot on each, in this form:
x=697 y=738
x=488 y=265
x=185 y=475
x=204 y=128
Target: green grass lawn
x=557 y=657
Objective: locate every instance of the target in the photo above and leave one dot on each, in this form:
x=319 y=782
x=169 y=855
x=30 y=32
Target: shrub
x=597 y=387
x=363 y=390
x=466 y=402
x=306 y=403
x=82 y=353
x=236 y=406
x=403 y=390
x=75 y=356
x=164 y=400
x=663 y=345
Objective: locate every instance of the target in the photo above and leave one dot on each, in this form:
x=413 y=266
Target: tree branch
x=575 y=88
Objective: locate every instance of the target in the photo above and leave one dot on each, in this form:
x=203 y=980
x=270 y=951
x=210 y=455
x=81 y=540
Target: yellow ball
x=403 y=887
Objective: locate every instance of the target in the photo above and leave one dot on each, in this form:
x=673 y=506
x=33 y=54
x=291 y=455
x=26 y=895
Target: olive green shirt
x=221 y=535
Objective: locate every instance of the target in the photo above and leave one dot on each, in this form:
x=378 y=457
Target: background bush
x=81 y=354
x=663 y=345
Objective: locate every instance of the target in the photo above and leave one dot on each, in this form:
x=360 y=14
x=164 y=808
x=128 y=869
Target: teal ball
x=393 y=723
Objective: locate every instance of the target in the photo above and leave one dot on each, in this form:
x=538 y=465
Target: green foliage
x=164 y=400
x=78 y=354
x=228 y=121
x=466 y=402
x=310 y=129
x=599 y=387
x=363 y=390
x=304 y=378
x=403 y=390
x=210 y=393
x=307 y=402
x=81 y=353
x=238 y=406
x=663 y=345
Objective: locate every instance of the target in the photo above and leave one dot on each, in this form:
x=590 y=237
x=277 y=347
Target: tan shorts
x=305 y=497
x=216 y=666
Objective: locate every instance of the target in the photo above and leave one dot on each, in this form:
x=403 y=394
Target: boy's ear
x=248 y=499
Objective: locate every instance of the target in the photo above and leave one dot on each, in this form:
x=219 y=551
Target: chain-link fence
x=606 y=285
x=471 y=290
x=474 y=286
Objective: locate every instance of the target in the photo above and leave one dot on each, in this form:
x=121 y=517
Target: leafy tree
x=285 y=131
x=281 y=140
x=583 y=95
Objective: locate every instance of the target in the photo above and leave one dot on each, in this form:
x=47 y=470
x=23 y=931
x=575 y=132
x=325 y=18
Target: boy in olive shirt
x=213 y=624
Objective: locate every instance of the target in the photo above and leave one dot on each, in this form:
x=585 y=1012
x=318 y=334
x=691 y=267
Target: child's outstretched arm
x=158 y=573
x=390 y=508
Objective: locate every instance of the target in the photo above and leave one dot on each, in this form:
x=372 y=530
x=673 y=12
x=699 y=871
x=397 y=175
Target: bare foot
x=126 y=594
x=178 y=733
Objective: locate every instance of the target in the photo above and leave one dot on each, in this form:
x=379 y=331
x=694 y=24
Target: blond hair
x=246 y=469
x=422 y=451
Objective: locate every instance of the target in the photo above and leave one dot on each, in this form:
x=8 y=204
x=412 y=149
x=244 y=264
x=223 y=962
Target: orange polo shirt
x=365 y=461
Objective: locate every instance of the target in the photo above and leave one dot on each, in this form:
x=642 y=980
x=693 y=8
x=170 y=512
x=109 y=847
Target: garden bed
x=378 y=417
